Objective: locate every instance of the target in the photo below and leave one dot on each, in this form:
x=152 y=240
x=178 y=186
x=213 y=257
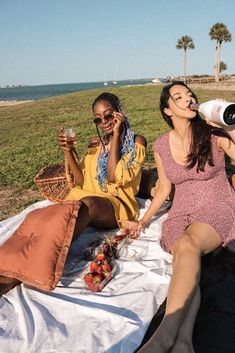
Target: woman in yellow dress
x=107 y=180
x=108 y=177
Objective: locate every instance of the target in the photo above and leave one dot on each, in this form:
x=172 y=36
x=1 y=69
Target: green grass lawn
x=28 y=132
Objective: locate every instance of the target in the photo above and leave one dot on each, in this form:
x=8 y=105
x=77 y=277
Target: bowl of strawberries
x=103 y=267
x=99 y=272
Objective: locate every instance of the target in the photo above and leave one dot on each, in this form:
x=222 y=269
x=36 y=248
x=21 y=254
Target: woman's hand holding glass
x=67 y=139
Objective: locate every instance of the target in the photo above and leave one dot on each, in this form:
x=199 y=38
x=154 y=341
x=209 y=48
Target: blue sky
x=64 y=41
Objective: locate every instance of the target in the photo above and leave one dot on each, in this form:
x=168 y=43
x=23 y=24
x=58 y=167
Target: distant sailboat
x=105 y=80
x=114 y=80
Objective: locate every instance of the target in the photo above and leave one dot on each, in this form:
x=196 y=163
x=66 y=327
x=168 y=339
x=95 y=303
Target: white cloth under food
x=72 y=319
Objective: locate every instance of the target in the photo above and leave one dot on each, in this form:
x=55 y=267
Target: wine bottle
x=217 y=111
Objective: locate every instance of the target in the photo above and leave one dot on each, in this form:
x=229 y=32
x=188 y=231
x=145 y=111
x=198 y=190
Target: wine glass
x=69 y=133
x=70 y=136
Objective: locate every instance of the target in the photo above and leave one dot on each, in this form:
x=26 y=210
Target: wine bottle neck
x=194 y=106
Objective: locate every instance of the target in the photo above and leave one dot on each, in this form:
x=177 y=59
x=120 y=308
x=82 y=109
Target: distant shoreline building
x=14 y=86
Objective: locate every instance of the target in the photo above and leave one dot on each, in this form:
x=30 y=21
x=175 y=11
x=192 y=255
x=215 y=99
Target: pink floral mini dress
x=205 y=197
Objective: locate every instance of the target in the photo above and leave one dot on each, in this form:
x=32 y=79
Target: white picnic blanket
x=72 y=319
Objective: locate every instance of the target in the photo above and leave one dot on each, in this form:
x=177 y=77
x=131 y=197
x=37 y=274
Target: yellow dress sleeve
x=125 y=173
x=88 y=159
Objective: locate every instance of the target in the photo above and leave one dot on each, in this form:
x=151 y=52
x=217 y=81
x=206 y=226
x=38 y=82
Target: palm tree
x=185 y=43
x=220 y=33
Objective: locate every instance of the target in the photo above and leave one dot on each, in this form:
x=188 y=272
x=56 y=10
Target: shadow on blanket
x=214 y=327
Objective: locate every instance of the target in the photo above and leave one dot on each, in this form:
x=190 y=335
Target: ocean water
x=43 y=91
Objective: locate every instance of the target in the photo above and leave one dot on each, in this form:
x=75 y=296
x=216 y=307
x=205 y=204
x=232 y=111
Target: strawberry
x=100 y=256
x=106 y=267
x=88 y=278
x=94 y=266
x=120 y=237
x=97 y=279
x=99 y=269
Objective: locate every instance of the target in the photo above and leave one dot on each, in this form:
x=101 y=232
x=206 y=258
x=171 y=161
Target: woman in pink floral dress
x=202 y=216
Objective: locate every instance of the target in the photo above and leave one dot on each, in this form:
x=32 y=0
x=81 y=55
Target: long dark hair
x=200 y=151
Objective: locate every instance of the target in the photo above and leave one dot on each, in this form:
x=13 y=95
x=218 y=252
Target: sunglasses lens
x=108 y=117
x=97 y=121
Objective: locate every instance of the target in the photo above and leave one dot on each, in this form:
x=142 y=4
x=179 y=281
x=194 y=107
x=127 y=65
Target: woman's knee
x=185 y=244
x=100 y=212
x=90 y=203
x=97 y=207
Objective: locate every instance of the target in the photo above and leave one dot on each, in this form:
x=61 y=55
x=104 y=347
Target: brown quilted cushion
x=36 y=252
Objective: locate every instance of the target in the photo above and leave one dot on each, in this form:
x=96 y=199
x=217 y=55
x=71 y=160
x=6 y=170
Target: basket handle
x=69 y=175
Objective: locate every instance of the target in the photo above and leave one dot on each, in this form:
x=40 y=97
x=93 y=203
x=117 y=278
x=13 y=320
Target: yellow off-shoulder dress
x=122 y=192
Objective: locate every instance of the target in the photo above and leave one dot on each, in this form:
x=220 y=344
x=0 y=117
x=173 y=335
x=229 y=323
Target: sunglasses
x=107 y=117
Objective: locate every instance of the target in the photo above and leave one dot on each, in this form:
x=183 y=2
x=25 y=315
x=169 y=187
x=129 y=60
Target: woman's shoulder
x=160 y=142
x=94 y=141
x=141 y=140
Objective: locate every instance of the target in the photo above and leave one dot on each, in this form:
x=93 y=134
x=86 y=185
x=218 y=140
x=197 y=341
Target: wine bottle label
x=217 y=114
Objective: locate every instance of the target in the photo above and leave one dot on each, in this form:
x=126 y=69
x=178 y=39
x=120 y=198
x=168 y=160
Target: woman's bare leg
x=184 y=338
x=199 y=239
x=95 y=211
